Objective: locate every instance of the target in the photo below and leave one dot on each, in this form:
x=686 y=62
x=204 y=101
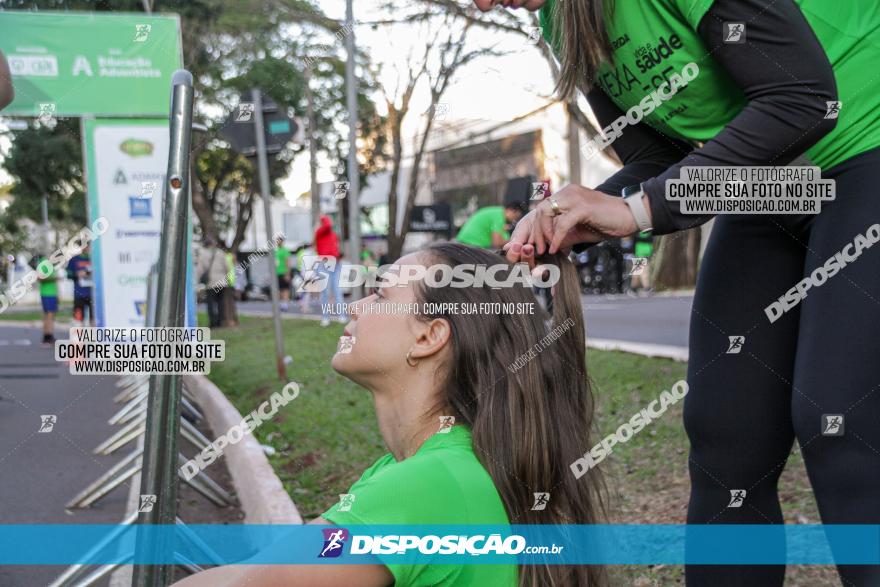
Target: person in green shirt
x=46 y=275
x=487 y=227
x=695 y=96
x=477 y=430
x=643 y=249
x=282 y=270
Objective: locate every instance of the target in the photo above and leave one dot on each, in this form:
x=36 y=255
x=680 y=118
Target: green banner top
x=90 y=63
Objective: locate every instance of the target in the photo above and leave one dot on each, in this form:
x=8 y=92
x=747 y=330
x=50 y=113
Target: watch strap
x=632 y=195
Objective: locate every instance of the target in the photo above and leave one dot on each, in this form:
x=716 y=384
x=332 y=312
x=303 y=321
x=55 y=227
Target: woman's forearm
x=787 y=79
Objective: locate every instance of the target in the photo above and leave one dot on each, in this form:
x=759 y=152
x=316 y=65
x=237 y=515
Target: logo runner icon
x=334 y=541
x=736 y=343
x=736 y=498
x=832 y=424
x=735 y=32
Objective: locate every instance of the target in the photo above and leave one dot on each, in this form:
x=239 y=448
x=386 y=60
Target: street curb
x=260 y=492
x=663 y=351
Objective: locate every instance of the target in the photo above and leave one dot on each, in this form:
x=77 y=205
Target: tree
x=432 y=65
x=46 y=160
x=272 y=58
x=230 y=47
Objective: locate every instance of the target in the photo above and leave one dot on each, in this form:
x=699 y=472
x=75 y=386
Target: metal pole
x=313 y=149
x=354 y=232
x=45 y=209
x=263 y=168
x=159 y=471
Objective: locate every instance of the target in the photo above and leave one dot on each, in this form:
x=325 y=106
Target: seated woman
x=519 y=422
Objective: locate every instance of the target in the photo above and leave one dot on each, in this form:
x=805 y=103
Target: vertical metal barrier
x=159 y=472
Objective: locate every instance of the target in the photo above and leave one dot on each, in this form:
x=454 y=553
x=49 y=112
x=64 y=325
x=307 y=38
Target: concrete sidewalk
x=41 y=471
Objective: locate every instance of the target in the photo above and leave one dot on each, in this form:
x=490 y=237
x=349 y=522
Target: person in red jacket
x=327 y=248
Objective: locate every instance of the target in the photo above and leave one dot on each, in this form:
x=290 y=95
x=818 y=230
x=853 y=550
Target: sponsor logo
x=126 y=257
x=139 y=207
x=136 y=233
x=136 y=147
x=649 y=57
x=131 y=280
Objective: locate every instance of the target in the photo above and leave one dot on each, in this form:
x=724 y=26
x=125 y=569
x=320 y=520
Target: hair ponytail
x=582 y=33
x=519 y=381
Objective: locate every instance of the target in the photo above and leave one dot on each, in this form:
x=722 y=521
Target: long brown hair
x=529 y=419
x=581 y=32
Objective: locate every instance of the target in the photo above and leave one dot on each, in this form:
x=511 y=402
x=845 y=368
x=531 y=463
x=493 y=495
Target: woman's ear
x=432 y=338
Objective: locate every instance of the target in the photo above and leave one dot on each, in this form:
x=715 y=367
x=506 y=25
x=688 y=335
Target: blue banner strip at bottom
x=56 y=544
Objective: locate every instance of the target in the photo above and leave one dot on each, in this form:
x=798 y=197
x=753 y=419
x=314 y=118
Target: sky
x=489 y=88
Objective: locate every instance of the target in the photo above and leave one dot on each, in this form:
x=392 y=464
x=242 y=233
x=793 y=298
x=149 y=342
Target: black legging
x=743 y=411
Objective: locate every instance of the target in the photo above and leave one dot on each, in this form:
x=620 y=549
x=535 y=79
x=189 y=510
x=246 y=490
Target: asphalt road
x=655 y=319
x=40 y=472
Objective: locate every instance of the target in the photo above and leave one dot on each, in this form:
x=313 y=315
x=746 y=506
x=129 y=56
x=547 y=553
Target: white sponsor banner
x=126 y=162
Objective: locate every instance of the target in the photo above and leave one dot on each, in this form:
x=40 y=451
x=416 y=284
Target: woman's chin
x=338 y=363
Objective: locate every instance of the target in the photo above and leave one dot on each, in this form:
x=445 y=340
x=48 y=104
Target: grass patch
x=64 y=314
x=329 y=435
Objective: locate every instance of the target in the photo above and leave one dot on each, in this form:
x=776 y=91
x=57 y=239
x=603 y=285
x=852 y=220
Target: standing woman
x=777 y=80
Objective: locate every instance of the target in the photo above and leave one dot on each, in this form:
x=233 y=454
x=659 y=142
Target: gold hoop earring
x=409 y=359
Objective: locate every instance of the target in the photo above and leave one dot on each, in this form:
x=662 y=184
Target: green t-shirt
x=48 y=285
x=443 y=483
x=654 y=39
x=282 y=254
x=644 y=245
x=478 y=229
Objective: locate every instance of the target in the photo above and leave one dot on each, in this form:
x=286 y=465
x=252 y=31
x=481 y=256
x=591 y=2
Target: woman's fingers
x=561 y=228
x=514 y=251
x=522 y=230
x=528 y=256
x=542 y=229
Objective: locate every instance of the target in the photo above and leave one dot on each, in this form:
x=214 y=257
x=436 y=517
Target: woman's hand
x=586 y=216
